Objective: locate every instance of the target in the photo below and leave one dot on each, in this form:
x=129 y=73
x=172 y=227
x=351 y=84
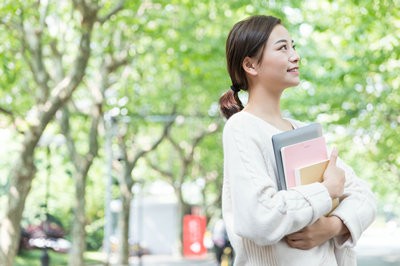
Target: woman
x=267 y=226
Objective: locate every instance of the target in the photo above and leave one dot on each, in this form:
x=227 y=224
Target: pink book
x=302 y=154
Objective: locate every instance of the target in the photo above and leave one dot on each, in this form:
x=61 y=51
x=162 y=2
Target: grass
x=32 y=258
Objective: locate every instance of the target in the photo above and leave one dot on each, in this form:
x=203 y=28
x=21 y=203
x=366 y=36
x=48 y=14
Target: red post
x=194 y=228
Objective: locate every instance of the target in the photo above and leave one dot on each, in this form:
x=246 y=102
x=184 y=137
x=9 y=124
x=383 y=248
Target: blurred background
x=110 y=132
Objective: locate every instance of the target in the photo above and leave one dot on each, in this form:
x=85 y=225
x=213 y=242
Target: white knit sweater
x=257 y=216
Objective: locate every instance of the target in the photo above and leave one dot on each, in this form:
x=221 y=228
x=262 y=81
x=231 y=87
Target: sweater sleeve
x=357 y=208
x=258 y=211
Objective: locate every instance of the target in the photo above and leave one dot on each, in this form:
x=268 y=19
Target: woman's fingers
x=334 y=156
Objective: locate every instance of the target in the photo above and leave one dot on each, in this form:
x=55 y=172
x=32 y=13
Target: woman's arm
x=354 y=214
x=322 y=230
x=357 y=208
x=258 y=212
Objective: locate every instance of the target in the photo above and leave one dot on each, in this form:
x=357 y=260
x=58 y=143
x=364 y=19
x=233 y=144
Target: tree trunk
x=23 y=173
x=181 y=214
x=82 y=165
x=20 y=185
x=123 y=256
x=125 y=185
x=79 y=222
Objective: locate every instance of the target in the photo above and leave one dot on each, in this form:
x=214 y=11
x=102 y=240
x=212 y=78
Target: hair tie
x=235 y=89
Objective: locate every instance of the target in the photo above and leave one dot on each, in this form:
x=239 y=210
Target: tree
x=130 y=154
x=177 y=169
x=82 y=164
x=175 y=54
x=82 y=161
x=35 y=41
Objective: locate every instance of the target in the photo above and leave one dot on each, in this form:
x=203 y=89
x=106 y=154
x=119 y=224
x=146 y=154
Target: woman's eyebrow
x=282 y=40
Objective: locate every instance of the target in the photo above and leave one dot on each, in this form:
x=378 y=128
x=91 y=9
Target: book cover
x=302 y=154
x=311 y=173
x=310 y=131
x=314 y=173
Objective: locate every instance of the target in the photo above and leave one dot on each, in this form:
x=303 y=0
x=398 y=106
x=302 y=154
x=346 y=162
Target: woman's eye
x=283 y=47
x=294 y=47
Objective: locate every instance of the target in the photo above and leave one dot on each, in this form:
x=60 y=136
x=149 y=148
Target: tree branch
x=14 y=120
x=32 y=43
x=165 y=132
x=116 y=63
x=63 y=90
x=94 y=131
x=7 y=112
x=188 y=158
x=59 y=70
x=112 y=12
x=165 y=173
x=66 y=130
x=210 y=130
x=178 y=148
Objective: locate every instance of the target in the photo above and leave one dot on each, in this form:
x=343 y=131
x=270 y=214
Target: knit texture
x=258 y=217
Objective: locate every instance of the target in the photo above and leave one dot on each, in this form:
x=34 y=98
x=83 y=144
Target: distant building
x=154 y=220
x=154 y=224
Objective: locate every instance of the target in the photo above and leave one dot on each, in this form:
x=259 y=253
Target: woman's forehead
x=279 y=34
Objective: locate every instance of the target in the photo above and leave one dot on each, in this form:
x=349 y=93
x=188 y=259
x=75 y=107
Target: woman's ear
x=249 y=66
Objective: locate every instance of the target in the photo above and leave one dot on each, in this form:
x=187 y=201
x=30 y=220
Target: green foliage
x=95 y=234
x=32 y=258
x=348 y=76
x=176 y=55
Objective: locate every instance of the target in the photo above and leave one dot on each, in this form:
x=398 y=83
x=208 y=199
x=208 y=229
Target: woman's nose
x=294 y=57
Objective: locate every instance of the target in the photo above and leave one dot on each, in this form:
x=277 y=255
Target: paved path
x=172 y=261
x=375 y=259
x=379 y=246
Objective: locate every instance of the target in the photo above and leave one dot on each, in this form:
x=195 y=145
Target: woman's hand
x=334 y=177
x=317 y=233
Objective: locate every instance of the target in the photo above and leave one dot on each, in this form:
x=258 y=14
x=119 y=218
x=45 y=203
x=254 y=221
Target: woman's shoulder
x=237 y=118
x=245 y=121
x=248 y=126
x=243 y=118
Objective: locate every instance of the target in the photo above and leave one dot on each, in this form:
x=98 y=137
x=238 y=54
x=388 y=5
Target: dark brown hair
x=247 y=38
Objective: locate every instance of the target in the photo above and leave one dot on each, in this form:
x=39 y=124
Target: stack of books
x=301 y=156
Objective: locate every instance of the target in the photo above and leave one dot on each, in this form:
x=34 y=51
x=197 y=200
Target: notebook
x=302 y=154
x=286 y=138
x=311 y=173
x=314 y=173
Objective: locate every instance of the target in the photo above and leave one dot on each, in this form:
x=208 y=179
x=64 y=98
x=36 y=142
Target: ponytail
x=230 y=103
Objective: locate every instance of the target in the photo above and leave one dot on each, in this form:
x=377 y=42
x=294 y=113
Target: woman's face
x=279 y=66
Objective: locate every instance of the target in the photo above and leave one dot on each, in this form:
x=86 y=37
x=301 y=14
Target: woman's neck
x=266 y=105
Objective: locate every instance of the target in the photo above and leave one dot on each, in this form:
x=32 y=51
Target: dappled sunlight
x=103 y=97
